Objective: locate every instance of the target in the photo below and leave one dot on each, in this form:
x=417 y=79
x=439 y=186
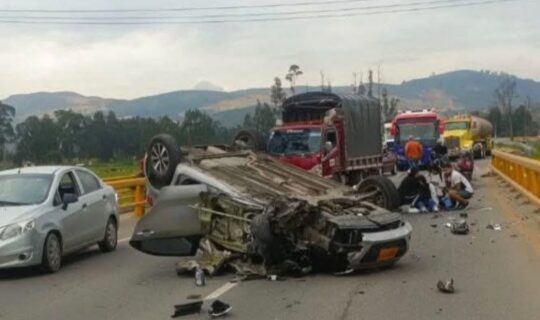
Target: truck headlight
x=16 y=229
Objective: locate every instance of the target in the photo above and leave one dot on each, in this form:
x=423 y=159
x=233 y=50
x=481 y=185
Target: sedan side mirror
x=69 y=198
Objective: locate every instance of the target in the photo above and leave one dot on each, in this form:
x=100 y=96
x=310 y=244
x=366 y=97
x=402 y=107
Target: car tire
x=251 y=139
x=162 y=156
x=110 y=239
x=52 y=253
x=386 y=193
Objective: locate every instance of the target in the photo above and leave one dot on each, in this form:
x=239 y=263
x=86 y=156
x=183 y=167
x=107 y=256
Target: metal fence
x=521 y=172
x=131 y=194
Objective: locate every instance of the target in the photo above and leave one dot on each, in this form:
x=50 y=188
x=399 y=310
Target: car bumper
x=20 y=251
x=381 y=248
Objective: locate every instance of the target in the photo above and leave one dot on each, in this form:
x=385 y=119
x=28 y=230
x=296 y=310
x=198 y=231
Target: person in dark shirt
x=440 y=149
x=409 y=187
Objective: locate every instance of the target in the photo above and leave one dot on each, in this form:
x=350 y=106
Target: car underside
x=255 y=215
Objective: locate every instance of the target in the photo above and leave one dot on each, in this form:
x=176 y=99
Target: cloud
x=132 y=61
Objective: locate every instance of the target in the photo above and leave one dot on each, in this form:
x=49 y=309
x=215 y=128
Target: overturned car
x=255 y=214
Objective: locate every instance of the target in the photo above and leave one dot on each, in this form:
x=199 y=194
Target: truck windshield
x=456 y=125
x=425 y=132
x=24 y=189
x=294 y=141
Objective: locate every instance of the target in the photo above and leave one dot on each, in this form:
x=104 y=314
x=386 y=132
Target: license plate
x=386 y=254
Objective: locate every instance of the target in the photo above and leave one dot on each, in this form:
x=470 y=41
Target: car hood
x=12 y=214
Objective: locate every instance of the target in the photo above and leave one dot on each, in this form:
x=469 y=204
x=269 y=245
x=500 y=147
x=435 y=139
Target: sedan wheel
x=110 y=240
x=52 y=254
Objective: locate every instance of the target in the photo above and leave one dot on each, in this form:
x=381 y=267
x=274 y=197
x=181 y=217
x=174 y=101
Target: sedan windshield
x=295 y=141
x=24 y=189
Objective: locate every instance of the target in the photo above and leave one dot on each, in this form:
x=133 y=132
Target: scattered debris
x=433 y=225
x=475 y=222
x=200 y=279
x=518 y=196
x=459 y=227
x=526 y=202
x=513 y=235
x=435 y=216
x=492 y=241
x=537 y=210
x=194 y=297
x=187 y=308
x=361 y=292
x=434 y=256
x=496 y=227
x=219 y=308
x=446 y=286
x=487 y=174
x=464 y=215
x=485 y=209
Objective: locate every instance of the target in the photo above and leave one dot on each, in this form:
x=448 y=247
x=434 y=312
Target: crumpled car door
x=172 y=226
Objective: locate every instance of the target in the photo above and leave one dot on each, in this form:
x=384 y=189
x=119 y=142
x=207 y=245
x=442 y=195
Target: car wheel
x=52 y=254
x=110 y=240
x=250 y=139
x=162 y=156
x=383 y=192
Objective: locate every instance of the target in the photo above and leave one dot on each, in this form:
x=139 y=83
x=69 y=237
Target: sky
x=129 y=61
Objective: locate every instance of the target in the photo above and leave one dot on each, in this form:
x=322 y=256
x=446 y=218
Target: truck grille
x=452 y=142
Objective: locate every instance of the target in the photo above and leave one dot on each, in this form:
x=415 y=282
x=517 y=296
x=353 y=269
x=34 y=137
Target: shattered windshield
x=456 y=126
x=426 y=132
x=24 y=189
x=295 y=141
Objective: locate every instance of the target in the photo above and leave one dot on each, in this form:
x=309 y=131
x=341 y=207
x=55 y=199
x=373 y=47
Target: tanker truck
x=468 y=133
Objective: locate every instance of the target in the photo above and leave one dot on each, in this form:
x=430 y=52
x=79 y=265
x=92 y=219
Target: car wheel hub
x=53 y=253
x=111 y=234
x=159 y=157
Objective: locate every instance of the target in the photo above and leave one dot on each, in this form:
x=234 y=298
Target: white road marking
x=124 y=239
x=221 y=290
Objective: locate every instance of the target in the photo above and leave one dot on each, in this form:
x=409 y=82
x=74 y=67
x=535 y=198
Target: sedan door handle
x=104 y=197
x=84 y=206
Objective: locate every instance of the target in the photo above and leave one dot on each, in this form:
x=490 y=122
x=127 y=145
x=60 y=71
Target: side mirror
x=69 y=198
x=328 y=146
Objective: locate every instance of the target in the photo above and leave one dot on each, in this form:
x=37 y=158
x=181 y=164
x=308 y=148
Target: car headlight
x=16 y=229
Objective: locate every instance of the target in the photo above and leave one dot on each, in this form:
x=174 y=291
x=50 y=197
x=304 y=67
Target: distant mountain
x=207 y=86
x=449 y=92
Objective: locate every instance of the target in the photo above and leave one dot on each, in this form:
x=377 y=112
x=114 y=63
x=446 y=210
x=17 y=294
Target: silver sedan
x=48 y=212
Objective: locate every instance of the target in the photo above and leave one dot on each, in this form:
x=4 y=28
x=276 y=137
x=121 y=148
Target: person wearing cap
x=459 y=188
x=413 y=152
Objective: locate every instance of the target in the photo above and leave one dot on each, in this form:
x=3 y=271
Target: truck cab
x=424 y=126
x=468 y=133
x=334 y=136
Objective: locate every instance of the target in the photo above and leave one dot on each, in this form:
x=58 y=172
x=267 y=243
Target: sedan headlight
x=16 y=229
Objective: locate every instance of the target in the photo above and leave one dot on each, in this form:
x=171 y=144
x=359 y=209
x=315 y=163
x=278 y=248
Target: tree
x=277 y=94
x=361 y=89
x=264 y=118
x=292 y=75
x=505 y=94
x=71 y=127
x=7 y=113
x=388 y=106
x=496 y=118
x=37 y=140
x=370 y=83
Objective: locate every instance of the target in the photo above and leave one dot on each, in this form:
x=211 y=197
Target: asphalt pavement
x=496 y=275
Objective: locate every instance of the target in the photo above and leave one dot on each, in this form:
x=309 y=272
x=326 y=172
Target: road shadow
x=69 y=261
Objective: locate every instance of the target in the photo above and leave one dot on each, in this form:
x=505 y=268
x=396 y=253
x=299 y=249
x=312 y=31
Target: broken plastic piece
x=459 y=227
x=219 y=308
x=187 y=309
x=496 y=227
x=446 y=286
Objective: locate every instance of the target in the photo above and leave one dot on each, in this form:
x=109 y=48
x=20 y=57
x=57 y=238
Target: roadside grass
x=114 y=169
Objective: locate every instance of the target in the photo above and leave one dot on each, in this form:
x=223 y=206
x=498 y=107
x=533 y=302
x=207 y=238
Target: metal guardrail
x=131 y=194
x=522 y=173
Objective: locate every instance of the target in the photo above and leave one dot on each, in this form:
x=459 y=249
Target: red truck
x=334 y=136
x=337 y=137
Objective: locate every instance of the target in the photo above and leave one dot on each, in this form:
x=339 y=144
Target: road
x=496 y=274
